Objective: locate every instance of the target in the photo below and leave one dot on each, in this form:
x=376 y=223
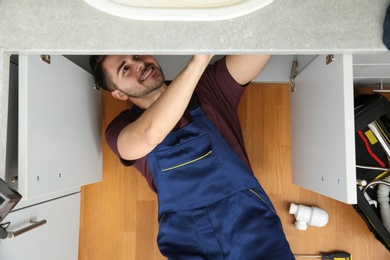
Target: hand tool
x=338 y=255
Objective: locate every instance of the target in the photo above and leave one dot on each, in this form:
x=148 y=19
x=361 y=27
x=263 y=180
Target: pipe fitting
x=383 y=199
x=305 y=215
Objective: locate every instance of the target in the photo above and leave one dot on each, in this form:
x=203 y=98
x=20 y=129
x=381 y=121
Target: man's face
x=136 y=76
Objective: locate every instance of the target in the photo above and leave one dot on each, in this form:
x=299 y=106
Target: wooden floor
x=118 y=216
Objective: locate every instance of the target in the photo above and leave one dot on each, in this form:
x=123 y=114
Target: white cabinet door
x=57 y=239
x=59 y=127
x=322 y=129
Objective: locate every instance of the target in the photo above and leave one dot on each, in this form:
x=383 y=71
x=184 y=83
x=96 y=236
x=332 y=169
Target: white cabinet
x=53 y=149
x=59 y=139
x=57 y=239
x=322 y=129
x=322 y=122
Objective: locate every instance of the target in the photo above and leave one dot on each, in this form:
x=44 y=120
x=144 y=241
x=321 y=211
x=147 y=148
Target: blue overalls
x=210 y=205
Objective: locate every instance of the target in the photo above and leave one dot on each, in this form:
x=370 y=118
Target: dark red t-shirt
x=219 y=95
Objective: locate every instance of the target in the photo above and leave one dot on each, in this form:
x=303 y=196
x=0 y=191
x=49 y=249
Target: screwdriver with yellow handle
x=339 y=255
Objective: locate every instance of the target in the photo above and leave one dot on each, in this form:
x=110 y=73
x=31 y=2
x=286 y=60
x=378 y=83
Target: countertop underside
x=283 y=27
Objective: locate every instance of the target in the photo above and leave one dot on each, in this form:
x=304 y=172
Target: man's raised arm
x=244 y=68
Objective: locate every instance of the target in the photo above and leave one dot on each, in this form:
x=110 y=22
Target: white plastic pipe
x=305 y=215
x=383 y=199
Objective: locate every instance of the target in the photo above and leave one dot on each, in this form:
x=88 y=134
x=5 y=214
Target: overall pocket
x=184 y=154
x=193 y=173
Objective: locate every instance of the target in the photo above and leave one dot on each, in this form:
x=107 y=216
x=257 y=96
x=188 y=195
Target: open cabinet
x=59 y=126
x=54 y=128
x=322 y=128
x=53 y=148
x=322 y=120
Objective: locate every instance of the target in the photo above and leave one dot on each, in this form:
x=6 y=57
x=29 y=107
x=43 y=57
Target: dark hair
x=102 y=80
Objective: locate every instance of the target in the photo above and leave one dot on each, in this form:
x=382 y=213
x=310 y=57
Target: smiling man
x=186 y=140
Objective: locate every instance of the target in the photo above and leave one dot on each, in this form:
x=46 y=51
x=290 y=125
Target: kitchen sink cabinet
x=322 y=127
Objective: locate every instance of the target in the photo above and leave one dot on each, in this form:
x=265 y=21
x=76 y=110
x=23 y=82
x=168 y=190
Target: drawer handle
x=34 y=224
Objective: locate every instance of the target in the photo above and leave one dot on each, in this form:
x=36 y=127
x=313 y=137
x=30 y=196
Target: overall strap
x=194 y=107
x=194 y=103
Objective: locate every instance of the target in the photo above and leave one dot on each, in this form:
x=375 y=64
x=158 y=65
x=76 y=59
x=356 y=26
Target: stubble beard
x=150 y=87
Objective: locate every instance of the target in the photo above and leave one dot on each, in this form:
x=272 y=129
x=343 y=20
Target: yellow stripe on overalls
x=186 y=163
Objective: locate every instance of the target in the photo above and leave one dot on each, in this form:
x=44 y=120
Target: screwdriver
x=339 y=255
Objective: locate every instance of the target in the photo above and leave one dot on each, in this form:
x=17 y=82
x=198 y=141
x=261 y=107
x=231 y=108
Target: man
x=186 y=140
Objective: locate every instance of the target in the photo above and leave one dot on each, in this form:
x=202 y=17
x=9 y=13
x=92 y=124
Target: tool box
x=372 y=135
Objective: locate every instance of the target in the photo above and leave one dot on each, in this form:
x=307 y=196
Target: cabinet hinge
x=329 y=59
x=96 y=86
x=293 y=74
x=46 y=58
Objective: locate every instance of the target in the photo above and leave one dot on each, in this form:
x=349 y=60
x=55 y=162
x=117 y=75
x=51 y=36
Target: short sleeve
x=113 y=130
